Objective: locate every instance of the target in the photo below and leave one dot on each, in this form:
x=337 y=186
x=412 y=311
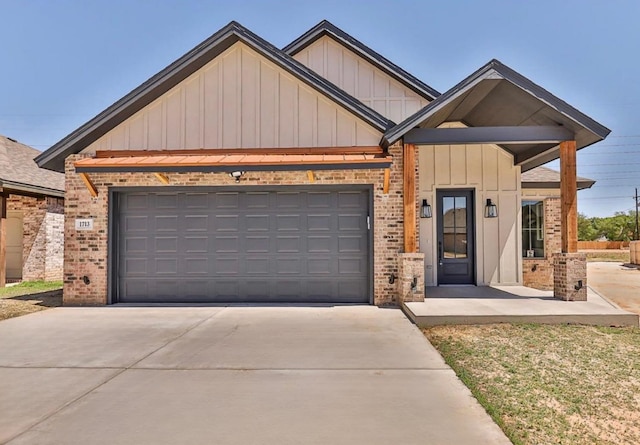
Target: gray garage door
x=252 y=246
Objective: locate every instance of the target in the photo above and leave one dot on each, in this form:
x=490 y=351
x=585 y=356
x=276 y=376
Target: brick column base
x=570 y=276
x=410 y=267
x=634 y=251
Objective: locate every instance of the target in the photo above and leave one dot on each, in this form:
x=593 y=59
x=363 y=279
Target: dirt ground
x=616 y=282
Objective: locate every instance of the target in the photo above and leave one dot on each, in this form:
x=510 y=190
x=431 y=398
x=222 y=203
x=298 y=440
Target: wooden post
x=3 y=240
x=568 y=197
x=409 y=194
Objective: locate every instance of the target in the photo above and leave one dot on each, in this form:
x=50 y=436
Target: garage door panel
x=257 y=266
x=165 y=224
x=196 y=200
x=288 y=244
x=227 y=200
x=270 y=246
x=194 y=244
x=319 y=222
x=168 y=201
x=288 y=223
x=319 y=266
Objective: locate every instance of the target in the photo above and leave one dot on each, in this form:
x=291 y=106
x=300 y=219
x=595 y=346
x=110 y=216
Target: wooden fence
x=602 y=245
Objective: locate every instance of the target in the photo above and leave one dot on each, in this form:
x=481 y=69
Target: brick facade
x=538 y=272
x=43 y=236
x=86 y=251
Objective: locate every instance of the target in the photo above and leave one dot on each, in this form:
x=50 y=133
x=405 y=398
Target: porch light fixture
x=425 y=209
x=236 y=175
x=490 y=210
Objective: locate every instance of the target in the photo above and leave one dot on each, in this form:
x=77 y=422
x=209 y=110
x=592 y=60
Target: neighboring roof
x=20 y=174
x=543 y=178
x=326 y=28
x=186 y=65
x=231 y=162
x=496 y=95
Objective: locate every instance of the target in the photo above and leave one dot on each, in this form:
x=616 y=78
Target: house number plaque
x=84 y=224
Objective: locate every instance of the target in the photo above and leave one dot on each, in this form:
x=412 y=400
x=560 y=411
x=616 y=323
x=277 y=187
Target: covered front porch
x=463 y=158
x=512 y=304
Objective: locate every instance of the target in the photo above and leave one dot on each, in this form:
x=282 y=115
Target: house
x=32 y=211
x=246 y=173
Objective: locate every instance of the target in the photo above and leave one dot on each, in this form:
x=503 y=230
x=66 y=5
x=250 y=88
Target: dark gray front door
x=456 y=250
x=284 y=245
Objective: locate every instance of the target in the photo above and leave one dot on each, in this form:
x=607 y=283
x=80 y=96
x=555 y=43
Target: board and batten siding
x=361 y=79
x=239 y=100
x=489 y=171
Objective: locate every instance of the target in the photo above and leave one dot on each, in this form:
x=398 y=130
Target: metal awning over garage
x=230 y=161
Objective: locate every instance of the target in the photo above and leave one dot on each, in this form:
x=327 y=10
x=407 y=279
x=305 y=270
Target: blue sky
x=63 y=61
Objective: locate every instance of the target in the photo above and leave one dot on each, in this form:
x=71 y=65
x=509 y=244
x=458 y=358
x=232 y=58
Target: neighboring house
x=246 y=173
x=32 y=209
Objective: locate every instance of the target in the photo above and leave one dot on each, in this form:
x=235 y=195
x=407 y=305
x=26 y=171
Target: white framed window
x=533 y=229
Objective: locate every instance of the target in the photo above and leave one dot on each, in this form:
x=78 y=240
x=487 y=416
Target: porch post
x=409 y=200
x=410 y=262
x=569 y=266
x=3 y=240
x=568 y=197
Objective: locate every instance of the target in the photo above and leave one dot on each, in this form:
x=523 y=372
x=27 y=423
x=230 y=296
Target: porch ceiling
x=497 y=96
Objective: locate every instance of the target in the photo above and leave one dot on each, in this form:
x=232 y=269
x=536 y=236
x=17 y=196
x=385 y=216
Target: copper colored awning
x=232 y=162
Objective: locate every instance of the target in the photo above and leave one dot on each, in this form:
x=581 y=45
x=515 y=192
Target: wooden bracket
x=311 y=177
x=387 y=180
x=162 y=178
x=90 y=186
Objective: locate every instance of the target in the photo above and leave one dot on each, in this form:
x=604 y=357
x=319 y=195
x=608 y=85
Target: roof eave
x=327 y=28
x=491 y=70
x=28 y=189
x=154 y=87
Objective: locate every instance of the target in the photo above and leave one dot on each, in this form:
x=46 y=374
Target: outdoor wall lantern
x=490 y=210
x=236 y=175
x=425 y=209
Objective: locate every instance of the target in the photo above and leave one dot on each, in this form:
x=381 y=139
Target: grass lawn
x=614 y=255
x=19 y=299
x=542 y=384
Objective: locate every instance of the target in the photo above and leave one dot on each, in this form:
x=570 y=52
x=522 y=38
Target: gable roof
x=326 y=28
x=496 y=95
x=53 y=158
x=19 y=172
x=544 y=177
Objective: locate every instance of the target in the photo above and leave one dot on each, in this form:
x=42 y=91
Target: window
x=532 y=229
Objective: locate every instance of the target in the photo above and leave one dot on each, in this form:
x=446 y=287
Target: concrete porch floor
x=512 y=304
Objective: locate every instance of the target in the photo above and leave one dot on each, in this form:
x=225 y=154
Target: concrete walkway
x=512 y=304
x=234 y=375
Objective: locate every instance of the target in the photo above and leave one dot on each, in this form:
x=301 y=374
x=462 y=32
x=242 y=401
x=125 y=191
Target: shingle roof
x=20 y=173
x=543 y=177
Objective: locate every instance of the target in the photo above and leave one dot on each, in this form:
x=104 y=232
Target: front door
x=456 y=249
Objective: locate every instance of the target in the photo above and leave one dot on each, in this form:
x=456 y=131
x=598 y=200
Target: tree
x=586 y=228
x=619 y=227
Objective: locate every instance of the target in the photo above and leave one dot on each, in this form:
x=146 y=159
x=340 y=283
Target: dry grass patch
x=611 y=255
x=574 y=385
x=27 y=297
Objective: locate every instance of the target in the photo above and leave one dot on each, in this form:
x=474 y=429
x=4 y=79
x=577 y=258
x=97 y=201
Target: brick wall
x=538 y=272
x=43 y=237
x=86 y=251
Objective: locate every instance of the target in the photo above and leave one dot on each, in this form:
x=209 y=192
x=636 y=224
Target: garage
x=225 y=245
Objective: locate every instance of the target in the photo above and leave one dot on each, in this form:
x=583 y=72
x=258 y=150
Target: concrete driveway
x=230 y=375
x=616 y=282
